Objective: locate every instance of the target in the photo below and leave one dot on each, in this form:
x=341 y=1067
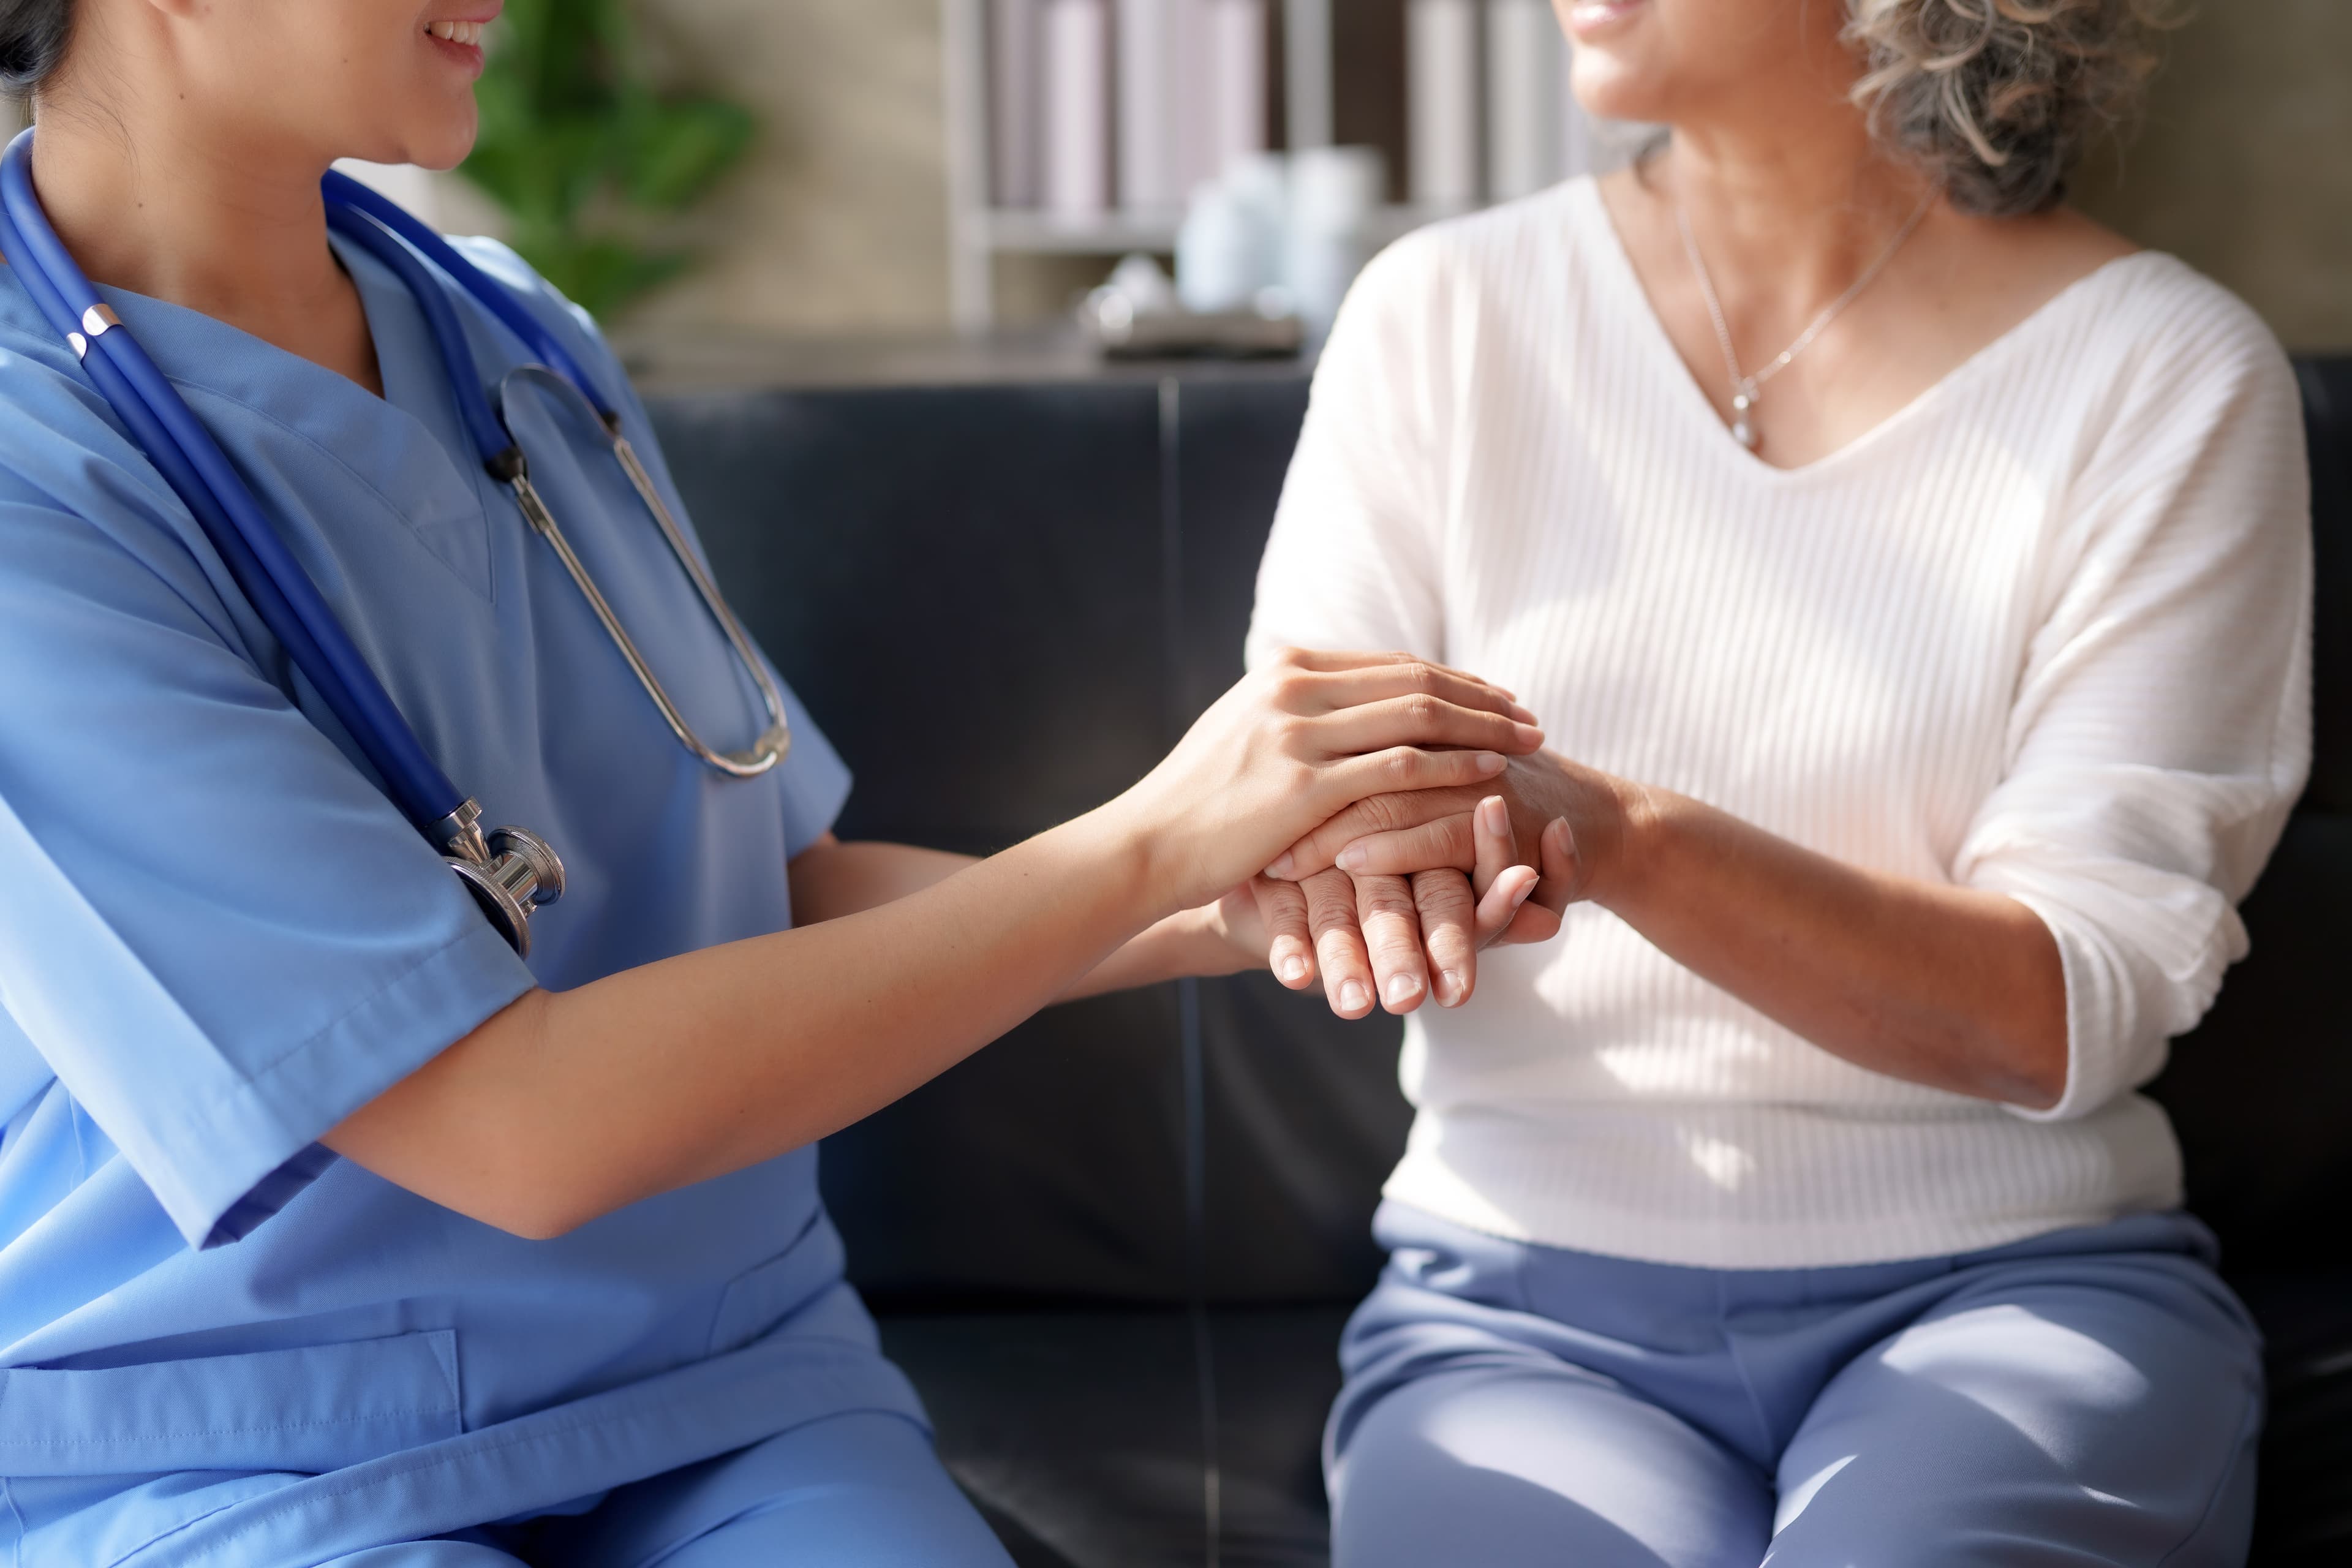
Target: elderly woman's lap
x=2090 y=1398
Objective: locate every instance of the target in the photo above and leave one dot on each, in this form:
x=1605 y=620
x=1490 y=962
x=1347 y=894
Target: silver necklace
x=1745 y=389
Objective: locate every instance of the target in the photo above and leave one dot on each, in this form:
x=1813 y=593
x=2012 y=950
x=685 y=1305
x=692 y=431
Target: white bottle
x=1230 y=250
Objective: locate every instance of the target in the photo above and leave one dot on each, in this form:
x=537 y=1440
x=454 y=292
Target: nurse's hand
x=1295 y=743
x=1403 y=937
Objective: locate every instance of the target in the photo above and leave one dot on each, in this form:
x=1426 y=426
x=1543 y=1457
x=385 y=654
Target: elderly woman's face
x=1658 y=61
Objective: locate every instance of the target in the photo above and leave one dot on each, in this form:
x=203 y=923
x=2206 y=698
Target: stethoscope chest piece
x=510 y=871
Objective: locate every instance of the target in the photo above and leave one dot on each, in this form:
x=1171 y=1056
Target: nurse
x=332 y=1230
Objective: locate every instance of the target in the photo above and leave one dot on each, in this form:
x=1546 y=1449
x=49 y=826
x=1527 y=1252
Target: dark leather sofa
x=1114 y=1250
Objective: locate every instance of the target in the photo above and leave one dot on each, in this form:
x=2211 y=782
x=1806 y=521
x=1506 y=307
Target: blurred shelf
x=1024 y=231
x=1106 y=234
x=672 y=364
x=977 y=234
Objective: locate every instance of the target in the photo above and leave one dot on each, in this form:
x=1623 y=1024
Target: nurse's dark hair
x=33 y=34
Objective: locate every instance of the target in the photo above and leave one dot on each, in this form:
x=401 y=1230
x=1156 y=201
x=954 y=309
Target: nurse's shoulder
x=64 y=452
x=574 y=328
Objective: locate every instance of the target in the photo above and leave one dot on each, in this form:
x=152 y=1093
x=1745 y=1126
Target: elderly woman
x=1912 y=578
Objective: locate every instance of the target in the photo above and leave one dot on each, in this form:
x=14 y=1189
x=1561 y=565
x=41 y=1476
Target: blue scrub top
x=217 y=940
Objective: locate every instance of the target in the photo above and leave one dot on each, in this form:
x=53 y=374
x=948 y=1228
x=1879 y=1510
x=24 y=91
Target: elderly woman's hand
x=1414 y=830
x=1398 y=937
x=1364 y=876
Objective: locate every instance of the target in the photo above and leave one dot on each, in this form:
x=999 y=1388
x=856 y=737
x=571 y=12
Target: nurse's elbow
x=550 y=1201
x=474 y=1131
x=534 y=1222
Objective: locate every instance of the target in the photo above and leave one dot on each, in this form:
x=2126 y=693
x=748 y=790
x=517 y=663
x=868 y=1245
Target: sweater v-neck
x=1614 y=264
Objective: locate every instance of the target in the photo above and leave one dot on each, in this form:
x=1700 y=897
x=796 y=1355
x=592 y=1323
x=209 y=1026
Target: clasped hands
x=1389 y=901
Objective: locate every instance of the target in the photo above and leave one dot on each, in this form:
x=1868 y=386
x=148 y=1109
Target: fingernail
x=1401 y=989
x=1353 y=857
x=1495 y=815
x=1280 y=869
x=1449 y=988
x=1490 y=761
x=1523 y=713
x=1294 y=969
x=1353 y=998
x=1523 y=895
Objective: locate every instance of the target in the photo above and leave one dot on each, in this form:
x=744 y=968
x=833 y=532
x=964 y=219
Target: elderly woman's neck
x=1807 y=200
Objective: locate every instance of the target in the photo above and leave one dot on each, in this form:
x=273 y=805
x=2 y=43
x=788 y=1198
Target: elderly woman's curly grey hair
x=1997 y=98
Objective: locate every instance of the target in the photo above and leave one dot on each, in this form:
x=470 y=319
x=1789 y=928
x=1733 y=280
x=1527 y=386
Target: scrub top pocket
x=311 y=1410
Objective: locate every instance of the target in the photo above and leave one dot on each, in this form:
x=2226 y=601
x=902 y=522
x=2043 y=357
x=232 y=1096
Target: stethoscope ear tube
x=200 y=474
x=342 y=190
x=502 y=456
x=509 y=872
x=483 y=427
x=775 y=742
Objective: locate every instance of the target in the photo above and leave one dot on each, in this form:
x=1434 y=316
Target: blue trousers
x=2087 y=1397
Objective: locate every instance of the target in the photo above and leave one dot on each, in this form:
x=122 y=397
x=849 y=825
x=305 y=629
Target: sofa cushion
x=1132 y=1439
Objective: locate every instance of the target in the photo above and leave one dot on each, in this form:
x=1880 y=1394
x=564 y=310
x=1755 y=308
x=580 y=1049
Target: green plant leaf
x=682 y=149
x=585 y=156
x=600 y=276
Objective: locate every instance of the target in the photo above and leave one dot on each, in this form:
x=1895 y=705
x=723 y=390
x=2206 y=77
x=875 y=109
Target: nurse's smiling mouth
x=1595 y=18
x=459 y=38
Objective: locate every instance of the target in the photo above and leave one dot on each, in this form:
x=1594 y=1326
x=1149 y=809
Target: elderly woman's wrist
x=1624 y=838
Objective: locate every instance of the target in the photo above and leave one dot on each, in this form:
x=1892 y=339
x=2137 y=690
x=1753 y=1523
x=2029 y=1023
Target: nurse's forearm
x=566 y=1107
x=569 y=1105
x=1195 y=942
x=831 y=879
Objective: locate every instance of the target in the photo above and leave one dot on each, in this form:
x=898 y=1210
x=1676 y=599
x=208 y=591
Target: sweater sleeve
x=2161 y=728
x=1352 y=561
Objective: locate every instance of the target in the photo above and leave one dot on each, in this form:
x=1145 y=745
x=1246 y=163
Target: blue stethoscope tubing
x=510 y=870
x=194 y=467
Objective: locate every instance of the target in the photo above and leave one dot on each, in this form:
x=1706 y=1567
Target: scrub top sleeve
x=215 y=931
x=817 y=783
x=815 y=780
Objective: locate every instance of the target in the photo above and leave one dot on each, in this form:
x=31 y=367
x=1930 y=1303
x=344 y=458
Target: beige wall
x=2244 y=166
x=837 y=223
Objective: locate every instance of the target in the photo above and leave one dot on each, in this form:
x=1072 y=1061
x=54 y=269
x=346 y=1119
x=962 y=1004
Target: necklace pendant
x=1743 y=428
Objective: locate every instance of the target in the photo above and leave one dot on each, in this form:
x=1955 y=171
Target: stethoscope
x=510 y=871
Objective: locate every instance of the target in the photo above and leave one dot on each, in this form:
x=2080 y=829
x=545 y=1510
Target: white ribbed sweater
x=2043 y=632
